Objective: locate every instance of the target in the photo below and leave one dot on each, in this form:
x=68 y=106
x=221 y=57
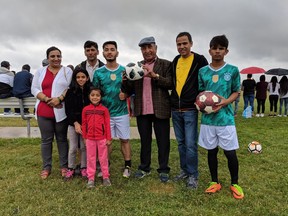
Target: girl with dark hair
x=261 y=95
x=283 y=96
x=273 y=88
x=76 y=100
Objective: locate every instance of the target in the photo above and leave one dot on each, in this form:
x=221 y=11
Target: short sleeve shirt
x=223 y=81
x=109 y=81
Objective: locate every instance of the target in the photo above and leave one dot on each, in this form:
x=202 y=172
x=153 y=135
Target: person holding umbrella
x=248 y=88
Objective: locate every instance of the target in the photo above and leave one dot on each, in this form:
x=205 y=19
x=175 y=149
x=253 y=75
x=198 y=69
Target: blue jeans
x=283 y=101
x=185 y=127
x=249 y=99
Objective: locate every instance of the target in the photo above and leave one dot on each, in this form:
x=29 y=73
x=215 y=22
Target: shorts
x=223 y=136
x=120 y=127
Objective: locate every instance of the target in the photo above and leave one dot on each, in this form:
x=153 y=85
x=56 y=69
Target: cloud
x=257 y=30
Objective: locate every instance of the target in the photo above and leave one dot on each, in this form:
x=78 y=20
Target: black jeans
x=162 y=134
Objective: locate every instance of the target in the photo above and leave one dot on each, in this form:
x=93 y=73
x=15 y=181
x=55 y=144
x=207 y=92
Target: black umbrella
x=277 y=72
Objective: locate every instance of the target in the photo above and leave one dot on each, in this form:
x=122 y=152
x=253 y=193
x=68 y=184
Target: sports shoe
x=182 y=175
x=69 y=174
x=90 y=184
x=262 y=114
x=213 y=187
x=279 y=115
x=284 y=115
x=257 y=115
x=44 y=174
x=83 y=172
x=192 y=183
x=237 y=191
x=141 y=174
x=106 y=182
x=164 y=177
x=126 y=173
x=63 y=172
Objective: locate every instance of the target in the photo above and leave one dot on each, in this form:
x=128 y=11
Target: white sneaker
x=262 y=114
x=284 y=115
x=279 y=115
x=126 y=173
x=257 y=115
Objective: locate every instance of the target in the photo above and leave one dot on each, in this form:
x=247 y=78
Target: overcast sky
x=257 y=29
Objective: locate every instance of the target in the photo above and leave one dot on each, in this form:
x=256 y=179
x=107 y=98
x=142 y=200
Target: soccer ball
x=134 y=71
x=206 y=101
x=255 y=147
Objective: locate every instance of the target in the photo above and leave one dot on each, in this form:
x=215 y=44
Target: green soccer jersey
x=224 y=82
x=109 y=81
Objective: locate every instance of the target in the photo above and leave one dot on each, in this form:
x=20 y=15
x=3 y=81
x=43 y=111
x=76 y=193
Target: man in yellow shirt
x=185 y=69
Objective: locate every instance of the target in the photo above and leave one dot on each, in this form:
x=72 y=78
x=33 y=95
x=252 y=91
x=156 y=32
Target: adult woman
x=261 y=95
x=283 y=93
x=273 y=88
x=49 y=86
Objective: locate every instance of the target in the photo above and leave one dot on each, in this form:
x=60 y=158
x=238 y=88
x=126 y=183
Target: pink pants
x=94 y=148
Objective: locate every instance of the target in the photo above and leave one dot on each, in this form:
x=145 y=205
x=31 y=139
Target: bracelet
x=59 y=100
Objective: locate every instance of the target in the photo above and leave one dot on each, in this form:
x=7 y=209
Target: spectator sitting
x=22 y=85
x=6 y=83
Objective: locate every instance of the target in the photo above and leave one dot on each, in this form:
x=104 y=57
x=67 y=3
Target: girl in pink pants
x=97 y=136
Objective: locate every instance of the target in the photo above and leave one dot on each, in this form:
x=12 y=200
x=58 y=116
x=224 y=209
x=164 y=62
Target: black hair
x=262 y=78
x=181 y=34
x=110 y=42
x=273 y=81
x=283 y=85
x=89 y=44
x=50 y=49
x=74 y=86
x=249 y=75
x=26 y=67
x=93 y=88
x=220 y=40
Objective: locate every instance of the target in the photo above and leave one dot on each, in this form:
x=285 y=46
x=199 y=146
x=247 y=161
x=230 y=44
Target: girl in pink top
x=97 y=136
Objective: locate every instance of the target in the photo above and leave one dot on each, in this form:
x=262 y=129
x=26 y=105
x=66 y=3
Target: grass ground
x=263 y=177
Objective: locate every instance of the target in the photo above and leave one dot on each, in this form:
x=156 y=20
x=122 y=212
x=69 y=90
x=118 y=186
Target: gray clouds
x=257 y=30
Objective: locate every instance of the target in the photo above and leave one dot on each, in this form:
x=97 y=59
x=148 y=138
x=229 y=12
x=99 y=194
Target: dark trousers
x=261 y=105
x=162 y=134
x=273 y=99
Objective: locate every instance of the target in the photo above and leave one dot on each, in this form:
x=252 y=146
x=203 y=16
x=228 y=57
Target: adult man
x=91 y=63
x=248 y=88
x=6 y=83
x=184 y=113
x=152 y=107
x=109 y=78
x=22 y=85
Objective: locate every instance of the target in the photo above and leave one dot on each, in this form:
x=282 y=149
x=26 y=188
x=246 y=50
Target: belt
x=183 y=109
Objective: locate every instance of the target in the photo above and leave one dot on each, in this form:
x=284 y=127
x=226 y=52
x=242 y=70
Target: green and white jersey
x=224 y=82
x=109 y=81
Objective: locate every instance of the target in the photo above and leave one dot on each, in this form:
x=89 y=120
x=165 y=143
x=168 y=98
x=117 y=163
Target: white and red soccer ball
x=255 y=147
x=206 y=101
x=134 y=71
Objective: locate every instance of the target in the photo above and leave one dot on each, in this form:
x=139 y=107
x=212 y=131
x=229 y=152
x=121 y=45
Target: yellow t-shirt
x=182 y=71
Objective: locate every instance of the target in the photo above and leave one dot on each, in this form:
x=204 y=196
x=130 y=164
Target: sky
x=257 y=30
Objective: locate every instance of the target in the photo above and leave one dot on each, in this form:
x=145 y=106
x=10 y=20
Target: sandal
x=45 y=174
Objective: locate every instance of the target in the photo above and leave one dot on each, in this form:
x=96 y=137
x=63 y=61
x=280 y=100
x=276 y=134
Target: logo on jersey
x=113 y=77
x=215 y=78
x=227 y=76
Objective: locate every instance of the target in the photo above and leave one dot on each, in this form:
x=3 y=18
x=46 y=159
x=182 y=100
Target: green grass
x=263 y=177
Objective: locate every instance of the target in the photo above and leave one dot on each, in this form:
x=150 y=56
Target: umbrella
x=277 y=71
x=252 y=70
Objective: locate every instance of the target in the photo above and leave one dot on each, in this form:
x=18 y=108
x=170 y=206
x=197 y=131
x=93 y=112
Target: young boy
x=218 y=129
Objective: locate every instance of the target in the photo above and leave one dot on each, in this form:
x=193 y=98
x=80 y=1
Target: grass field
x=264 y=178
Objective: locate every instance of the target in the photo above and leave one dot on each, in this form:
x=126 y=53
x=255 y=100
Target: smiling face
x=95 y=97
x=81 y=79
x=184 y=46
x=54 y=58
x=149 y=52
